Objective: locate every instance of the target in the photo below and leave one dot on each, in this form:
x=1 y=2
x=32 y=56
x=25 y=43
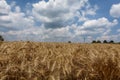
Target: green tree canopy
x=94 y=41
x=98 y=41
x=1 y=38
x=105 y=41
x=111 y=41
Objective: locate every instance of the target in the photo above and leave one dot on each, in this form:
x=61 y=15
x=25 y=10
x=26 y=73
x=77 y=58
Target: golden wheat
x=59 y=61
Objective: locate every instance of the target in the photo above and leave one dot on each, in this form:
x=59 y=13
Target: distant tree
x=111 y=41
x=105 y=41
x=1 y=38
x=93 y=41
x=69 y=42
x=98 y=41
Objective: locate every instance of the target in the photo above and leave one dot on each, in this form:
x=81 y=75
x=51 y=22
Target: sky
x=60 y=20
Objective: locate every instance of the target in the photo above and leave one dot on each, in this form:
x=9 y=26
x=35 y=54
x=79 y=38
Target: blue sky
x=60 y=20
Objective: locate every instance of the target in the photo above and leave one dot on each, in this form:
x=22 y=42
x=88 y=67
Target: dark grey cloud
x=55 y=24
x=5 y=22
x=3 y=14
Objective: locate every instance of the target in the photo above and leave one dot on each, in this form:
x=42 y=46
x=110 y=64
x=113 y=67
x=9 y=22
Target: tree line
x=104 y=41
x=94 y=41
x=1 y=38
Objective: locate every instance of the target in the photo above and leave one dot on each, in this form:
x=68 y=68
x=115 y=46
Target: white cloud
x=115 y=10
x=4 y=7
x=55 y=13
x=40 y=34
x=99 y=27
x=13 y=18
x=101 y=22
x=74 y=32
x=17 y=9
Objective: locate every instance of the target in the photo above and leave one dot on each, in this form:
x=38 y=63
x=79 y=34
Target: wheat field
x=59 y=61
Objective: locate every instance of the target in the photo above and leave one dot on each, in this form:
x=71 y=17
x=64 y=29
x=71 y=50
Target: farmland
x=59 y=61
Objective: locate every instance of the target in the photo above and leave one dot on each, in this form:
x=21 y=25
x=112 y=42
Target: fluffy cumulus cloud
x=13 y=18
x=89 y=29
x=53 y=20
x=40 y=34
x=101 y=22
x=4 y=7
x=97 y=26
x=58 y=13
x=115 y=10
